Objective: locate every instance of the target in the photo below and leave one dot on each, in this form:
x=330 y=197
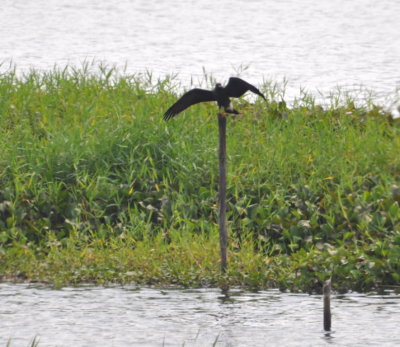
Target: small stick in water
x=327 y=305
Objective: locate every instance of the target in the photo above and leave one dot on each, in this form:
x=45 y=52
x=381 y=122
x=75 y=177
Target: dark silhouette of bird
x=235 y=88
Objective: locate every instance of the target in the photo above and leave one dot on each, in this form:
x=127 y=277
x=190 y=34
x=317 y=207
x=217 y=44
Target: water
x=97 y=316
x=314 y=44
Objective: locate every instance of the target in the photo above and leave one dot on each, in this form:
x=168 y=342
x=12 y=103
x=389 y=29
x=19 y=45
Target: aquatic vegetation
x=33 y=343
x=95 y=186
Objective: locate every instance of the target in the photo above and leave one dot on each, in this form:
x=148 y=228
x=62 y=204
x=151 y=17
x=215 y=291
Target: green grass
x=95 y=186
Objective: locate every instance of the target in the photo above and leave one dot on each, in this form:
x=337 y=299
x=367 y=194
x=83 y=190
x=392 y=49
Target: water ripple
x=128 y=316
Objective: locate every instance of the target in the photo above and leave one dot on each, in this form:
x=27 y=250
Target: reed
x=86 y=160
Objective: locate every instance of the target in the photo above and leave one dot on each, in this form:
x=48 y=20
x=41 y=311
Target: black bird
x=235 y=88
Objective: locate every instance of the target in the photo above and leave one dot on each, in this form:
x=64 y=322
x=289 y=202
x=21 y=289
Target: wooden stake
x=223 y=235
x=327 y=305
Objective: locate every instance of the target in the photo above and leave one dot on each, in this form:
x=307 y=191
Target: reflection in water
x=329 y=337
x=88 y=316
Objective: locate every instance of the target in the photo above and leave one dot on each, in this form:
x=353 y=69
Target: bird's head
x=218 y=85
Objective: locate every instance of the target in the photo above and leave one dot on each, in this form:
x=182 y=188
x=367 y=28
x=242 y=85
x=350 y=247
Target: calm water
x=95 y=316
x=315 y=44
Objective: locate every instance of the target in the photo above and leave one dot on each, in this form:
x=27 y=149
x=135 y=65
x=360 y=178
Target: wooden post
x=223 y=235
x=327 y=305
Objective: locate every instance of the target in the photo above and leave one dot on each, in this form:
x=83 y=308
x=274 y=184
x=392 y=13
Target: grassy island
x=96 y=187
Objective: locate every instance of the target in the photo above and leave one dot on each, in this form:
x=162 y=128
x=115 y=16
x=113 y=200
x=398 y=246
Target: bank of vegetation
x=96 y=187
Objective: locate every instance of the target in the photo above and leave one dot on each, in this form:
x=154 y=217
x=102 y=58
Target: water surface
x=315 y=44
x=128 y=316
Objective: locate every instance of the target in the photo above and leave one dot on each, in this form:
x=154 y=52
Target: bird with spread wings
x=235 y=88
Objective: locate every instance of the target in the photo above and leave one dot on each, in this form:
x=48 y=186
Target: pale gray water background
x=128 y=316
x=315 y=44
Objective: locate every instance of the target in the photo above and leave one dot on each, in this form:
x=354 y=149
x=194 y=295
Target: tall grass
x=85 y=151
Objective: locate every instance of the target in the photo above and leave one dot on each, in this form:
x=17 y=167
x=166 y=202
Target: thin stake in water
x=327 y=305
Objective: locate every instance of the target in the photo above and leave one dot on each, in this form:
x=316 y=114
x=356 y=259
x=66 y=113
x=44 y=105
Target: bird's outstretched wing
x=190 y=98
x=236 y=87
